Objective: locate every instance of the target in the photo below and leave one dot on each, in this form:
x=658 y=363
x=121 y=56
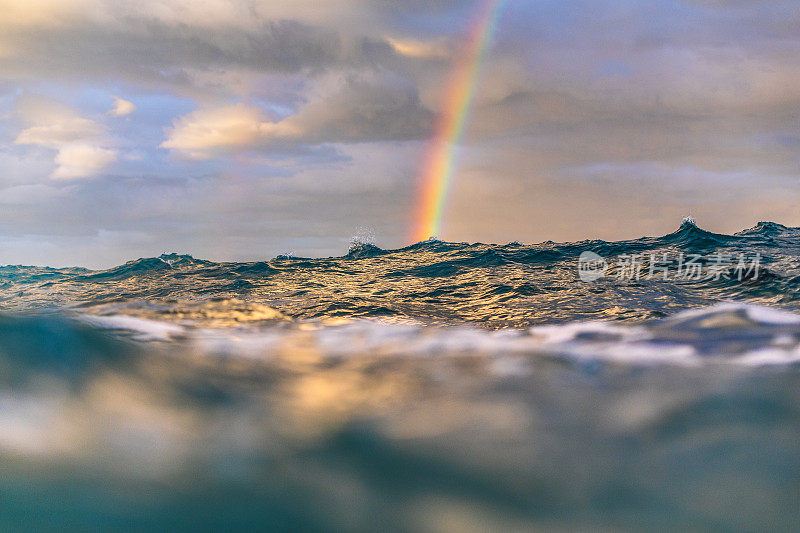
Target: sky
x=243 y=129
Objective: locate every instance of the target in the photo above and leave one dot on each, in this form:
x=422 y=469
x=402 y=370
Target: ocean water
x=440 y=387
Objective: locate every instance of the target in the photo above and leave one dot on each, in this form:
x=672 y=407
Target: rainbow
x=439 y=160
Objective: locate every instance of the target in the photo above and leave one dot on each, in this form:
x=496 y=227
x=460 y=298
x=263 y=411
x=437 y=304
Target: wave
x=33 y=274
x=436 y=386
x=494 y=286
x=113 y=420
x=723 y=334
x=740 y=334
x=359 y=250
x=171 y=261
x=769 y=229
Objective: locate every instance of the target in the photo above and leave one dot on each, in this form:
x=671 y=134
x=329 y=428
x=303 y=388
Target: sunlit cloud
x=206 y=132
x=121 y=108
x=80 y=143
x=346 y=109
x=82 y=161
x=420 y=49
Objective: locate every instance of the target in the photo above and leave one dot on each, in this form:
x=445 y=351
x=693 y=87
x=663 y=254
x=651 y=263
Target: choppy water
x=439 y=387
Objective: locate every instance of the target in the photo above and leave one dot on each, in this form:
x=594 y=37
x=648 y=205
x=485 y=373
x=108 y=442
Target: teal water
x=439 y=387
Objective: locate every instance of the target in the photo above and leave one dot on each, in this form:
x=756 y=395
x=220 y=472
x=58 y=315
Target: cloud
x=351 y=109
x=51 y=123
x=297 y=114
x=195 y=48
x=122 y=107
x=80 y=143
x=364 y=108
x=28 y=194
x=82 y=161
x=421 y=49
x=207 y=132
x=170 y=43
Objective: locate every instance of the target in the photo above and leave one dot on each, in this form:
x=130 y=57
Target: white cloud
x=121 y=107
x=82 y=161
x=80 y=143
x=51 y=123
x=438 y=49
x=205 y=132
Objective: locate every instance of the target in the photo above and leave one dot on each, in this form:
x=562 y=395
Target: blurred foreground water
x=441 y=387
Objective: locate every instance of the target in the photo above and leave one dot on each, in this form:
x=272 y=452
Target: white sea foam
x=662 y=343
x=142 y=328
x=756 y=313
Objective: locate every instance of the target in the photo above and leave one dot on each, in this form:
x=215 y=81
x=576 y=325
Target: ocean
x=642 y=385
